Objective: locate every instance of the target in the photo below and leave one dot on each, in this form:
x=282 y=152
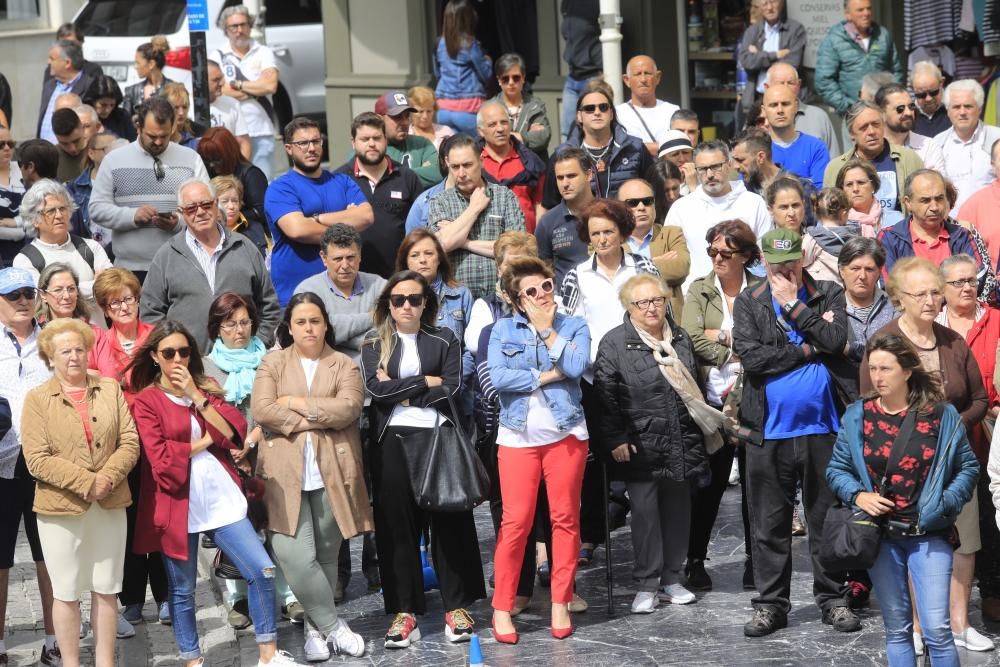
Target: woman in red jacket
x=189 y=485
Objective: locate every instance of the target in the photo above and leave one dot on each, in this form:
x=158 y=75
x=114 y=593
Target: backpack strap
x=81 y=246
x=34 y=256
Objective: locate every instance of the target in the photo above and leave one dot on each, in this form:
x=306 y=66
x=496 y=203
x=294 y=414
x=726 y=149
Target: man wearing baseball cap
x=790 y=333
x=409 y=150
x=677 y=148
x=22 y=370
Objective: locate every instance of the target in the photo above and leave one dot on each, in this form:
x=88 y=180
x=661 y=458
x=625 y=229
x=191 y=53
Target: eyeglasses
x=711 y=168
x=926 y=93
x=933 y=295
x=49 y=213
x=62 y=291
x=511 y=78
x=10 y=143
x=544 y=287
x=119 y=303
x=232 y=27
x=169 y=352
x=603 y=107
x=158 y=169
x=226 y=201
x=308 y=143
x=645 y=201
x=397 y=300
x=29 y=293
x=962 y=282
x=725 y=254
x=233 y=325
x=191 y=209
x=644 y=304
x=900 y=108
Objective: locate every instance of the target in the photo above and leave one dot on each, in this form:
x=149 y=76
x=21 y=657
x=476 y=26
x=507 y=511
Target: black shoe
x=697 y=577
x=764 y=622
x=748 y=583
x=842 y=619
x=207 y=542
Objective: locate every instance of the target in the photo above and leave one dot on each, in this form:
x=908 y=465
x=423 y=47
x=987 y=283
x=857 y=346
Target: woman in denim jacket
x=921 y=498
x=536 y=359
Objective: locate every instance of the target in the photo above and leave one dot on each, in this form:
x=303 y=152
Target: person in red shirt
x=509 y=161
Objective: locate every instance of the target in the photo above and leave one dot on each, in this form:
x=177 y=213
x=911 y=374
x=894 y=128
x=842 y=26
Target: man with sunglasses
x=135 y=192
x=410 y=150
x=204 y=261
x=928 y=89
x=22 y=370
x=644 y=116
x=900 y=117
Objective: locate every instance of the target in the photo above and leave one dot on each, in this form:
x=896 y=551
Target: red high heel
x=509 y=638
x=562 y=633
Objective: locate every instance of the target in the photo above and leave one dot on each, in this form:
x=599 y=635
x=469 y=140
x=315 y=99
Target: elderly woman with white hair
x=48 y=208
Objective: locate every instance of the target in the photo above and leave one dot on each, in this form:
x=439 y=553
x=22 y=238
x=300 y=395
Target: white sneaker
x=123 y=629
x=280 y=659
x=343 y=641
x=316 y=648
x=972 y=640
x=645 y=602
x=918 y=643
x=734 y=474
x=676 y=594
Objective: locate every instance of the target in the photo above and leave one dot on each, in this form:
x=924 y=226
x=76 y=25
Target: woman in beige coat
x=80 y=443
x=308 y=398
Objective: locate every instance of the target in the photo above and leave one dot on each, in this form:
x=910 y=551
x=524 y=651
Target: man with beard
x=753 y=158
x=135 y=192
x=713 y=201
x=802 y=154
x=900 y=117
x=300 y=205
x=509 y=161
x=410 y=150
x=388 y=186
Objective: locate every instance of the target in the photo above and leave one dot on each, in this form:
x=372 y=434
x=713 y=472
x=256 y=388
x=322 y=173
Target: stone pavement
x=708 y=632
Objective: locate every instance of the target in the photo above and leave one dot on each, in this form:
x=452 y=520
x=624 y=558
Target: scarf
x=241 y=365
x=869 y=221
x=708 y=419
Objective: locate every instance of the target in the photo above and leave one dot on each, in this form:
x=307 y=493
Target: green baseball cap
x=781 y=245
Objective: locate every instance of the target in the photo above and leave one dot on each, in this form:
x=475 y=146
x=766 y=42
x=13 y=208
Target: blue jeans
x=460 y=121
x=262 y=154
x=571 y=93
x=239 y=541
x=927 y=560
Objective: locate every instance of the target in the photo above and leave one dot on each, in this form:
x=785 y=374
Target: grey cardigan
x=176 y=287
x=351 y=318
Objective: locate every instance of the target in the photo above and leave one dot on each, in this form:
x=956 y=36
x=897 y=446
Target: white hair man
x=927 y=82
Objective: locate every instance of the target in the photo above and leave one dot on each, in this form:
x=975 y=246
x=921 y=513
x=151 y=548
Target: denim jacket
x=950 y=481
x=454 y=308
x=517 y=357
x=465 y=76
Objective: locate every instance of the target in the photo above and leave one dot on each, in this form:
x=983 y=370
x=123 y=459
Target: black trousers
x=399 y=524
x=140 y=568
x=706 y=500
x=772 y=472
x=988 y=558
x=592 y=507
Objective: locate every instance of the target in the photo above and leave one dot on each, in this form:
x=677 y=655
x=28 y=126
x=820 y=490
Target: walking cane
x=607 y=539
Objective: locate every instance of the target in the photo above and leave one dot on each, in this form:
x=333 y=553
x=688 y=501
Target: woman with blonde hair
x=229 y=194
x=186 y=131
x=422 y=117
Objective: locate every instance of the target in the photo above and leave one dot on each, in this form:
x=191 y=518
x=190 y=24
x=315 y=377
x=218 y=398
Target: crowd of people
x=198 y=354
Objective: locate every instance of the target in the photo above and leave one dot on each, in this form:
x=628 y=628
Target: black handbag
x=851 y=536
x=446 y=474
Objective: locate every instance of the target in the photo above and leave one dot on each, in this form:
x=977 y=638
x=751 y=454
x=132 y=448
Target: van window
x=131 y=18
x=293 y=12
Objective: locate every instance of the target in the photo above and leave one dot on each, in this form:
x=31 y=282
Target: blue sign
x=197 y=11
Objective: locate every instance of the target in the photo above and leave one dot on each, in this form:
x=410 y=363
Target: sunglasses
x=545 y=287
x=512 y=78
x=397 y=300
x=603 y=107
x=158 y=169
x=927 y=93
x=193 y=208
x=10 y=143
x=645 y=201
x=169 y=352
x=29 y=293
x=725 y=254
x=900 y=108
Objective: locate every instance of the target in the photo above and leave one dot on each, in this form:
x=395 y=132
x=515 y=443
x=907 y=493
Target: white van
x=113 y=29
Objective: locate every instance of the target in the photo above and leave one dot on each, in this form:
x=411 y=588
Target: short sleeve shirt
x=249 y=68
x=226 y=112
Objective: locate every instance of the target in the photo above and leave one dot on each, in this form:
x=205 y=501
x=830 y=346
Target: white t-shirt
x=409 y=366
x=226 y=112
x=722 y=378
x=249 y=68
x=657 y=119
x=214 y=500
x=311 y=478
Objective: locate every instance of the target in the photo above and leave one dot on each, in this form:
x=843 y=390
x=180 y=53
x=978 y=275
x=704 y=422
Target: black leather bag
x=851 y=536
x=445 y=471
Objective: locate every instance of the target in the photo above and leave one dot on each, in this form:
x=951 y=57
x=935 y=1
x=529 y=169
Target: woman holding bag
x=921 y=495
x=413 y=370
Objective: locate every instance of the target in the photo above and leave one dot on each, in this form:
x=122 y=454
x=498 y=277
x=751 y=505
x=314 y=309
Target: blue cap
x=12 y=279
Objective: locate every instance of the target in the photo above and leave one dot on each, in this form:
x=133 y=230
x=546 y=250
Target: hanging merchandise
x=930 y=22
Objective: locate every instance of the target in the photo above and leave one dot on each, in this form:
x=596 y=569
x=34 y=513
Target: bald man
x=809 y=119
x=644 y=116
x=802 y=154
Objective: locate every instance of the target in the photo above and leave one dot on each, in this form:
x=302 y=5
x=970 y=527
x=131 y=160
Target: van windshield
x=131 y=18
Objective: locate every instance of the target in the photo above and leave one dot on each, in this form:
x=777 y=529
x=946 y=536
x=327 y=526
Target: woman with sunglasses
x=411 y=367
x=11 y=191
x=59 y=289
x=708 y=319
x=529 y=121
x=190 y=486
x=535 y=360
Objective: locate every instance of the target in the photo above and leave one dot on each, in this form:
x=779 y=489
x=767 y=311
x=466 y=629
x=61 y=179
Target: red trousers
x=521 y=471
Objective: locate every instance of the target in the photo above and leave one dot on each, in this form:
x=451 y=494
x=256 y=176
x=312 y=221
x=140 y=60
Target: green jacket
x=420 y=156
x=841 y=63
x=905 y=159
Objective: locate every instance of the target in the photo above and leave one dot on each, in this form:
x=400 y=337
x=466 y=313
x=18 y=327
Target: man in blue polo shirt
x=302 y=203
x=802 y=154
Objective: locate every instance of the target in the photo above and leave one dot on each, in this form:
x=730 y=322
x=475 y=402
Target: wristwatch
x=545 y=333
